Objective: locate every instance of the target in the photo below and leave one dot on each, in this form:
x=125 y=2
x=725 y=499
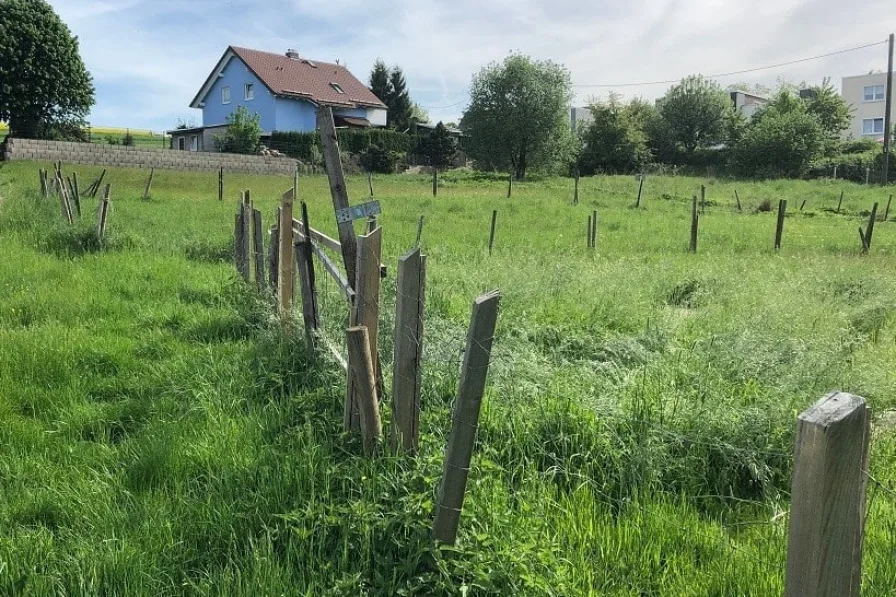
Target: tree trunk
x=521 y=165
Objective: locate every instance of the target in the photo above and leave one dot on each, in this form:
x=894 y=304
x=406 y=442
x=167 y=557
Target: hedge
x=853 y=166
x=306 y=146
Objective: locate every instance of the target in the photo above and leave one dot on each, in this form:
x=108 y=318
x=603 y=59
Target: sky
x=148 y=58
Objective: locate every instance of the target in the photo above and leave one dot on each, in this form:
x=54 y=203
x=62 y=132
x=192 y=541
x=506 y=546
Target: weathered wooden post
x=406 y=376
x=285 y=259
x=869 y=231
x=274 y=255
x=103 y=212
x=640 y=189
x=491 y=236
x=64 y=203
x=435 y=181
x=221 y=183
x=307 y=283
x=839 y=203
x=737 y=198
x=703 y=198
x=827 y=512
x=148 y=188
x=509 y=184
x=365 y=313
x=242 y=240
x=338 y=190
x=75 y=195
x=887 y=211
x=803 y=204
x=695 y=218
x=779 y=229
x=588 y=233
x=459 y=452
x=594 y=230
x=575 y=197
x=258 y=249
x=419 y=232
x=362 y=370
x=370 y=183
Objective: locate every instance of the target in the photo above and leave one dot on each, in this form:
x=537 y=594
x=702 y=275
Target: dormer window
x=225 y=95
x=250 y=91
x=337 y=88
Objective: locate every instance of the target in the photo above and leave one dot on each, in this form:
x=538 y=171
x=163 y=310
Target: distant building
x=285 y=90
x=579 y=117
x=747 y=103
x=865 y=94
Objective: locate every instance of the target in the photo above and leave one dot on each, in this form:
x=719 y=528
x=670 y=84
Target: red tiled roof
x=308 y=79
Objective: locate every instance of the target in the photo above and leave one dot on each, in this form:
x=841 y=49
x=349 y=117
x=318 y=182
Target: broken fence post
x=362 y=370
x=406 y=377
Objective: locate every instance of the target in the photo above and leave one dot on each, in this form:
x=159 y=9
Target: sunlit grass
x=161 y=437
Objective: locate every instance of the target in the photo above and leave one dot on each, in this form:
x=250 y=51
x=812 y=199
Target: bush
x=614 y=143
x=243 y=133
x=128 y=139
x=859 y=146
x=378 y=159
x=851 y=166
x=780 y=144
x=307 y=147
x=113 y=140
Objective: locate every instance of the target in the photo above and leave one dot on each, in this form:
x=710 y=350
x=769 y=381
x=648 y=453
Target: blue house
x=285 y=90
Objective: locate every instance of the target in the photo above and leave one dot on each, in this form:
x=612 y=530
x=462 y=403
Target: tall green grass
x=160 y=437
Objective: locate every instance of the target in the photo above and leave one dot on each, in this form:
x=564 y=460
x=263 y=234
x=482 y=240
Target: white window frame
x=225 y=95
x=873 y=131
x=194 y=142
x=249 y=91
x=337 y=88
x=874 y=96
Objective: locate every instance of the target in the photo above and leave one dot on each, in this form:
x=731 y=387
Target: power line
x=443 y=107
x=737 y=72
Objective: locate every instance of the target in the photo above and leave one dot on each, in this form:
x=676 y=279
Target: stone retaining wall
x=143 y=157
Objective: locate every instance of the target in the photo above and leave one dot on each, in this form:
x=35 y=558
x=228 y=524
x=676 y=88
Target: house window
x=225 y=95
x=872 y=126
x=194 y=143
x=250 y=91
x=336 y=87
x=181 y=143
x=874 y=93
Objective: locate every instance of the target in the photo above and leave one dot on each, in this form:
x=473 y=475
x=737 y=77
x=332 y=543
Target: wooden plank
x=407 y=364
x=338 y=190
x=258 y=249
x=148 y=188
x=365 y=312
x=340 y=360
x=333 y=269
x=319 y=237
x=242 y=239
x=827 y=513
x=363 y=371
x=274 y=256
x=285 y=261
x=459 y=452
x=305 y=269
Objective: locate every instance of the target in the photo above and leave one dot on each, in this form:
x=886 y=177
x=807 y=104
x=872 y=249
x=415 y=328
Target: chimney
x=291 y=53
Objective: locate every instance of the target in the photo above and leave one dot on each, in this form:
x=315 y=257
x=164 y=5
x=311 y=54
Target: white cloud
x=153 y=55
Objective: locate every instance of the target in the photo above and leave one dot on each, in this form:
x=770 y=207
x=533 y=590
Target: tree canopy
x=518 y=115
x=390 y=86
x=615 y=141
x=696 y=111
x=439 y=146
x=44 y=85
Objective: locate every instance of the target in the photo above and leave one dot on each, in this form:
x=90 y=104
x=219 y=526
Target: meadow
x=160 y=436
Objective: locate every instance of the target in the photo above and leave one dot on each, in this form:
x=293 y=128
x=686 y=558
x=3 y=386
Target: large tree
x=518 y=114
x=399 y=102
x=379 y=81
x=439 y=147
x=614 y=141
x=696 y=111
x=832 y=112
x=44 y=85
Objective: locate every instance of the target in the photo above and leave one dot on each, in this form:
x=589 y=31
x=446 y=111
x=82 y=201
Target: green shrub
x=859 y=146
x=307 y=148
x=780 y=144
x=128 y=139
x=850 y=166
x=378 y=159
x=113 y=140
x=243 y=133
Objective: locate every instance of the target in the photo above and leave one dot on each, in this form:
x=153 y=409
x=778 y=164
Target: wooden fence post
x=338 y=189
x=869 y=232
x=575 y=197
x=839 y=203
x=491 y=236
x=779 y=229
x=803 y=204
x=509 y=184
x=827 y=513
x=703 y=198
x=361 y=368
x=419 y=232
x=365 y=313
x=594 y=230
x=65 y=204
x=285 y=261
x=307 y=283
x=75 y=195
x=103 y=212
x=274 y=254
x=242 y=240
x=148 y=188
x=465 y=421
x=640 y=189
x=737 y=198
x=221 y=183
x=258 y=249
x=406 y=376
x=887 y=211
x=588 y=233
x=435 y=182
x=695 y=219
x=370 y=183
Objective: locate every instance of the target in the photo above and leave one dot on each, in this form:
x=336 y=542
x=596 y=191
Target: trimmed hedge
x=853 y=166
x=306 y=146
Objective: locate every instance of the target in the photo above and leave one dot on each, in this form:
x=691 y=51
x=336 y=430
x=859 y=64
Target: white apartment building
x=865 y=95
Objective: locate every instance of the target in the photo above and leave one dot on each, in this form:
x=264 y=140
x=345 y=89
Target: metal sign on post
x=358 y=212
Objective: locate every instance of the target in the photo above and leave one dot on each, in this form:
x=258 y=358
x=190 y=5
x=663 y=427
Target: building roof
x=301 y=78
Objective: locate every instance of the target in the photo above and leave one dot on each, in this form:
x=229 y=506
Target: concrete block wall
x=143 y=157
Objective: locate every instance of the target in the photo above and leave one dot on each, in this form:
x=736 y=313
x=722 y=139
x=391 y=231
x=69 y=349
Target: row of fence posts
x=67 y=190
x=293 y=247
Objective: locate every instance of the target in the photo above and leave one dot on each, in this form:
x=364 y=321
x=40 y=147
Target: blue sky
x=149 y=57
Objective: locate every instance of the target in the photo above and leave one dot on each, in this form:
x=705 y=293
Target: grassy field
x=160 y=437
x=142 y=138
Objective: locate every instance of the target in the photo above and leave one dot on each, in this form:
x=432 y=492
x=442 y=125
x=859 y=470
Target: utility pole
x=888 y=131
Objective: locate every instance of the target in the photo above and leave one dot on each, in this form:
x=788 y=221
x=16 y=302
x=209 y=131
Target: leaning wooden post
x=887 y=211
x=435 y=182
x=73 y=194
x=695 y=219
x=285 y=261
x=827 y=512
x=338 y=190
x=362 y=370
x=148 y=188
x=221 y=183
x=509 y=184
x=406 y=376
x=779 y=229
x=65 y=204
x=803 y=204
x=77 y=192
x=365 y=312
x=640 y=189
x=370 y=183
x=307 y=284
x=839 y=203
x=459 y=452
x=703 y=198
x=103 y=212
x=258 y=249
x=242 y=240
x=869 y=232
x=491 y=236
x=419 y=232
x=737 y=198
